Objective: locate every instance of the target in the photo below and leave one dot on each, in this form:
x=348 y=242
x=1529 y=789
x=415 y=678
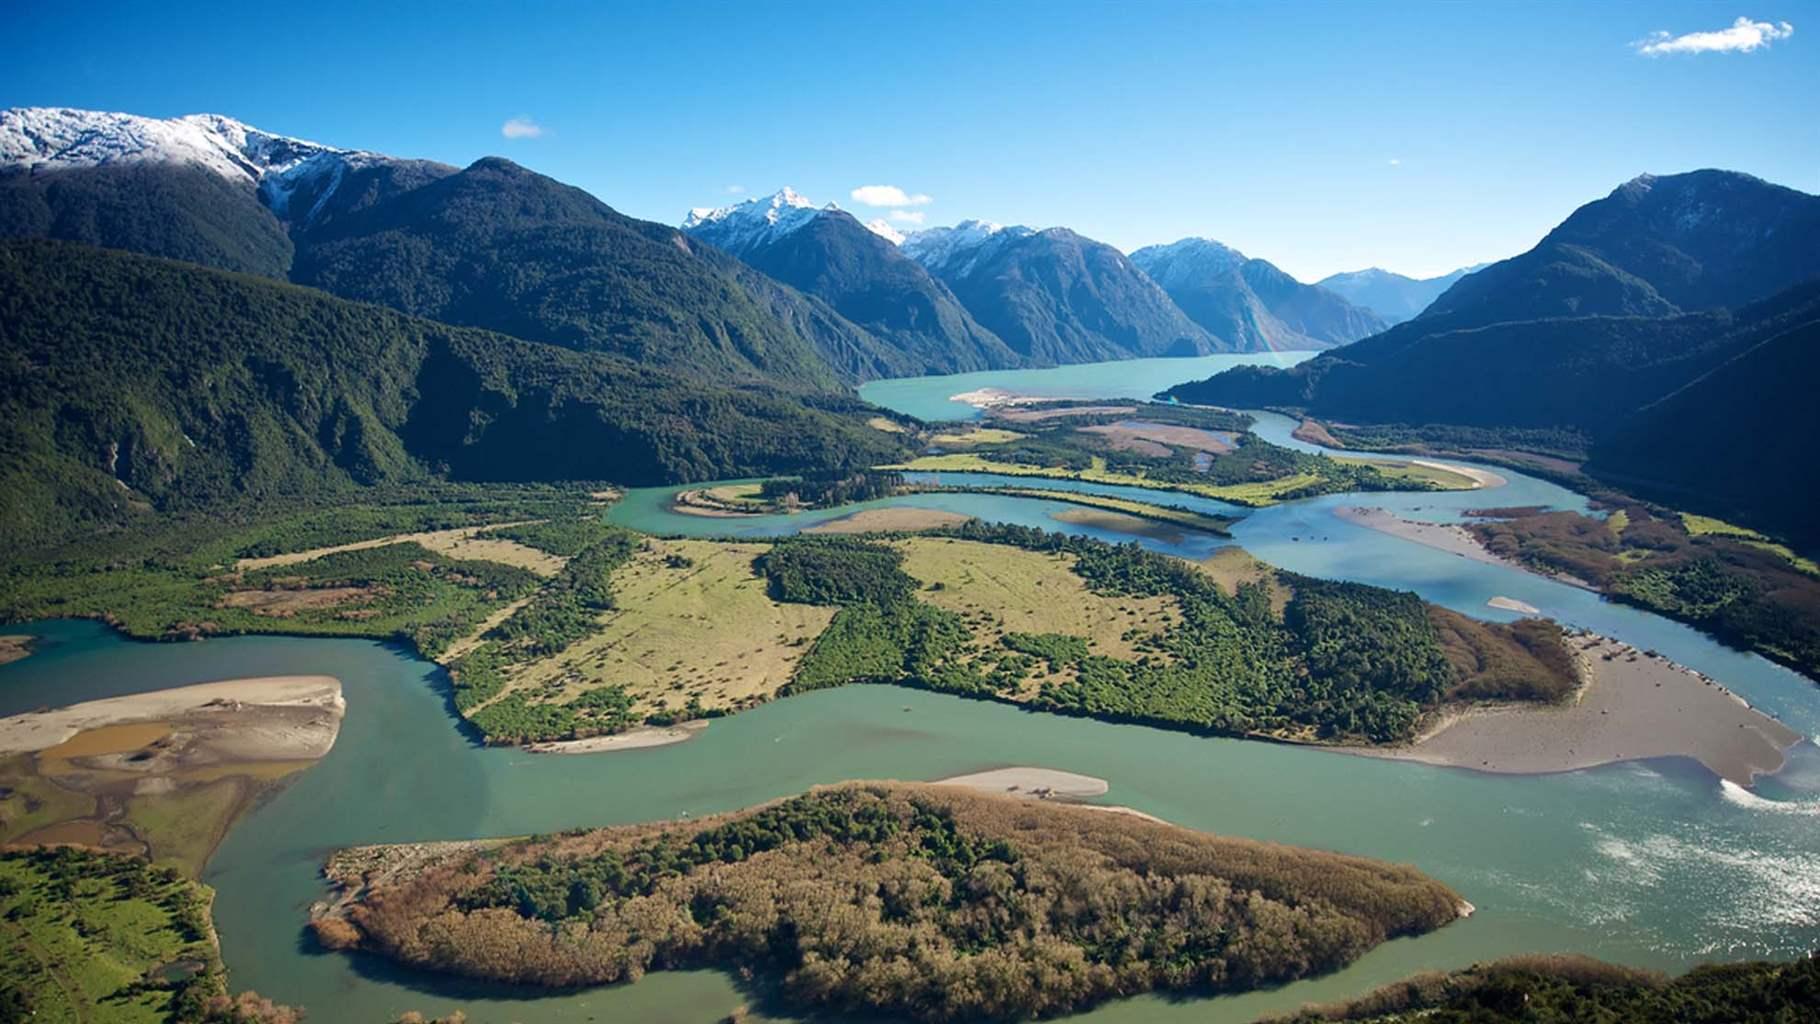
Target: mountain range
x=1392 y=296
x=1248 y=302
x=1675 y=305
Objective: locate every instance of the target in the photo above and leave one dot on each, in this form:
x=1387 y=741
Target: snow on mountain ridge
x=49 y=139
x=967 y=241
x=764 y=219
x=1187 y=261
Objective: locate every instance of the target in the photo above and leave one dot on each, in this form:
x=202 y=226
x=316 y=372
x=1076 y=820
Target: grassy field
x=84 y=933
x=1232 y=566
x=999 y=589
x=1141 y=509
x=1446 y=480
x=1700 y=526
x=460 y=543
x=1255 y=495
x=974 y=438
x=693 y=622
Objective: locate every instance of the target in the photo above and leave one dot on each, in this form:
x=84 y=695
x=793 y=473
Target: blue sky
x=1321 y=136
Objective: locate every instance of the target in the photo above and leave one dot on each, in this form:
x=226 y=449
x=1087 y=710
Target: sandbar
x=1452 y=538
x=898 y=519
x=1481 y=478
x=1511 y=604
x=309 y=734
x=14 y=646
x=1631 y=706
x=1036 y=783
x=631 y=739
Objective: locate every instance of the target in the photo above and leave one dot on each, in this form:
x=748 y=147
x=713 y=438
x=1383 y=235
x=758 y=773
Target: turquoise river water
x=1654 y=863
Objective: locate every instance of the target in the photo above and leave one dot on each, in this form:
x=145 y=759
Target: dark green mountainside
x=182 y=211
x=1634 y=298
x=1737 y=442
x=500 y=247
x=1654 y=247
x=129 y=384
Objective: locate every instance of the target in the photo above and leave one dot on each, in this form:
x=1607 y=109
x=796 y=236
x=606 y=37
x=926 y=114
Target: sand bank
x=1449 y=537
x=307 y=734
x=631 y=739
x=1038 y=783
x=1482 y=478
x=1631 y=707
x=1511 y=604
x=890 y=520
x=13 y=647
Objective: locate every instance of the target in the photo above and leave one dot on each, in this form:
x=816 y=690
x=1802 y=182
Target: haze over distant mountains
x=1250 y=301
x=1670 y=323
x=1390 y=295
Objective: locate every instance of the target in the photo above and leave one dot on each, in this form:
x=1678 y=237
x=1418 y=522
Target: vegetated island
x=102 y=937
x=1747 y=589
x=1160 y=446
x=927 y=902
x=1572 y=989
x=161 y=774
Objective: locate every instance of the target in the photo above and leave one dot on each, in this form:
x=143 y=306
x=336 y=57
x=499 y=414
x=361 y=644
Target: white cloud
x=887 y=195
x=521 y=128
x=1744 y=36
x=736 y=190
x=1396 y=161
x=908 y=216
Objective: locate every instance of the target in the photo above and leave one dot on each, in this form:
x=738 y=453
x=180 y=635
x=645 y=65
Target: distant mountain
x=1056 y=297
x=1392 y=296
x=492 y=246
x=1248 y=303
x=130 y=384
x=1654 y=247
x=858 y=270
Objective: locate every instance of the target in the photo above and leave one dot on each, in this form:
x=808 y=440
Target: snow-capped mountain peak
x=960 y=246
x=1187 y=261
x=764 y=219
x=42 y=140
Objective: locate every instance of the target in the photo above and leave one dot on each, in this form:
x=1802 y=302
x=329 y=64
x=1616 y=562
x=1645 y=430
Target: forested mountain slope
x=129 y=383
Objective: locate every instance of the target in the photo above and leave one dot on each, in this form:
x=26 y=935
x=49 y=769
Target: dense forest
x=104 y=938
x=1734 y=583
x=1569 y=990
x=130 y=384
x=925 y=902
x=1342 y=662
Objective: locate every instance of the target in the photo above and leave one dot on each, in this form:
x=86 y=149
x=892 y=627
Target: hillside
x=129 y=383
x=825 y=252
x=1249 y=304
x=1653 y=247
x=1056 y=297
x=1736 y=442
x=500 y=247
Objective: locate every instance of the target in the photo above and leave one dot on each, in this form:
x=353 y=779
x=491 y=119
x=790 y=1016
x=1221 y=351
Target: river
x=1651 y=864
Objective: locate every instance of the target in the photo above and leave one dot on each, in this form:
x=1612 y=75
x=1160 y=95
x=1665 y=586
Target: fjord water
x=1653 y=864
